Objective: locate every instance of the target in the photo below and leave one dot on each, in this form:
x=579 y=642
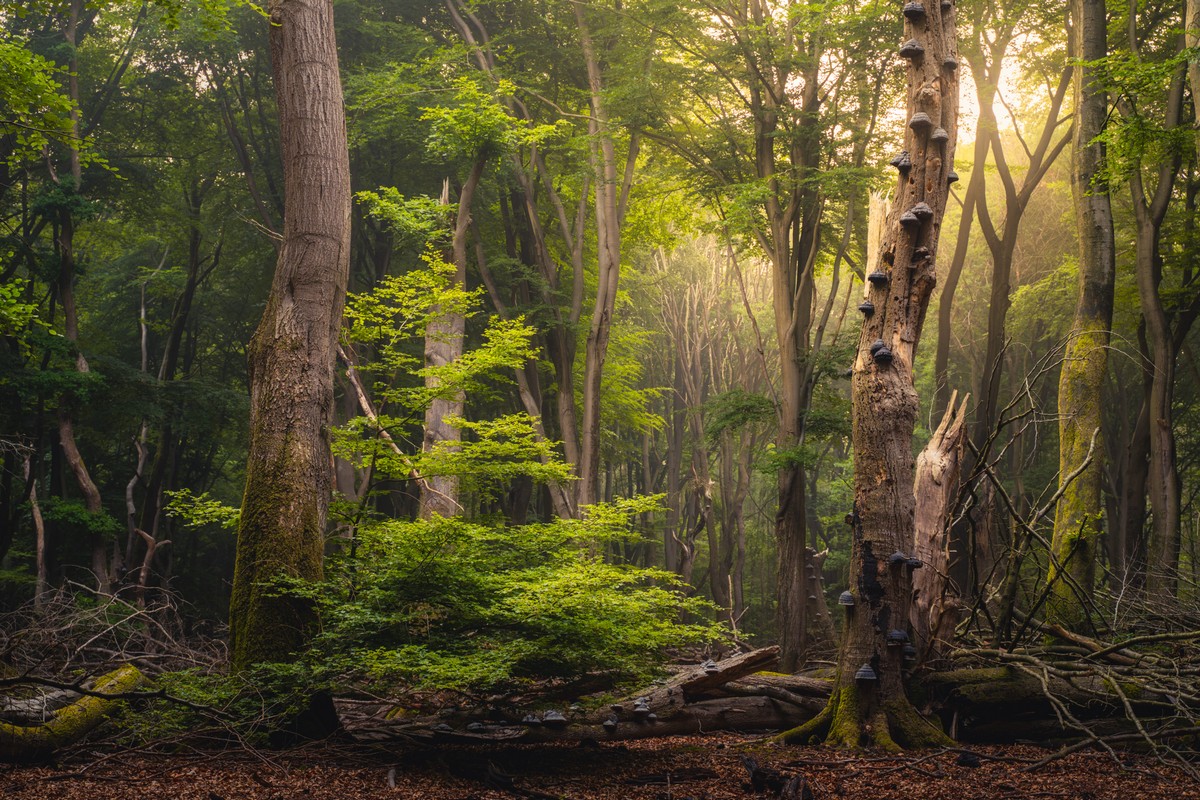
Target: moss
x=913 y=729
x=69 y=724
x=1078 y=519
x=812 y=731
x=845 y=723
x=845 y=730
x=279 y=535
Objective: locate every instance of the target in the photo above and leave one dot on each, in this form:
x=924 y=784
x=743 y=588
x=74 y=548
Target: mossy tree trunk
x=288 y=470
x=868 y=704
x=1077 y=522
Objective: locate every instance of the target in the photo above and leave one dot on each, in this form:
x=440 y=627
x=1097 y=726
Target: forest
x=579 y=398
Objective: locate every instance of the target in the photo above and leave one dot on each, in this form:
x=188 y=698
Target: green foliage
x=16 y=315
x=475 y=124
x=735 y=409
x=492 y=453
x=420 y=220
x=392 y=319
x=74 y=514
x=33 y=108
x=449 y=603
x=200 y=510
x=1139 y=134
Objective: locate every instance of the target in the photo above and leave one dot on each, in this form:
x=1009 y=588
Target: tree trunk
x=975 y=186
x=935 y=606
x=444 y=345
x=868 y=704
x=1077 y=521
x=611 y=195
x=1162 y=547
x=288 y=470
x=66 y=296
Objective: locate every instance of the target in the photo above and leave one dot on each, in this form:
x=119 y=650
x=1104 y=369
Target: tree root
x=893 y=726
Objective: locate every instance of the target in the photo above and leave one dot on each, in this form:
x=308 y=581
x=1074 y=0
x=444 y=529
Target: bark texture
x=935 y=604
x=288 y=471
x=1077 y=522
x=868 y=704
x=444 y=345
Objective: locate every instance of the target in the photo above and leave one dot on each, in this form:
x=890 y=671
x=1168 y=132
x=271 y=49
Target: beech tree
x=868 y=703
x=1077 y=524
x=288 y=475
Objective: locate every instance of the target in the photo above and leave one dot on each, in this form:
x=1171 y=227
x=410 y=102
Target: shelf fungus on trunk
x=911 y=49
x=869 y=706
x=920 y=121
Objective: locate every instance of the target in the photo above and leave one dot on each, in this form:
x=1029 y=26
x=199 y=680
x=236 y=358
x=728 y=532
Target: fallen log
x=69 y=723
x=713 y=696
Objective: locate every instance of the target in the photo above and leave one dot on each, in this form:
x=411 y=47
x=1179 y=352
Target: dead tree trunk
x=935 y=605
x=868 y=705
x=724 y=696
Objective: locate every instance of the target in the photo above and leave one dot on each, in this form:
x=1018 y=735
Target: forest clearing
x=579 y=398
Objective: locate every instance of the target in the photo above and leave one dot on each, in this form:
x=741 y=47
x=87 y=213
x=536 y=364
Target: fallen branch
x=70 y=723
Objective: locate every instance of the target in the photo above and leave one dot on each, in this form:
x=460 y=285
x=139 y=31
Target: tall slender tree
x=1077 y=524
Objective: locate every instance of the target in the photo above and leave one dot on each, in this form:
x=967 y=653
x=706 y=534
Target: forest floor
x=698 y=767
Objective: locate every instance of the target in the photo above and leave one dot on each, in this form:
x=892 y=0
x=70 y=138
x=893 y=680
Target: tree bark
x=1077 y=521
x=868 y=704
x=611 y=196
x=1162 y=547
x=66 y=296
x=288 y=470
x=935 y=605
x=444 y=345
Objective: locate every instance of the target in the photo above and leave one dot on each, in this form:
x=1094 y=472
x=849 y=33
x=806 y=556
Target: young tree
x=1077 y=525
x=868 y=704
x=1163 y=333
x=288 y=476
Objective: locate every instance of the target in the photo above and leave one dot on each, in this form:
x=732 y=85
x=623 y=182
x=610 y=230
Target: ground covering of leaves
x=699 y=767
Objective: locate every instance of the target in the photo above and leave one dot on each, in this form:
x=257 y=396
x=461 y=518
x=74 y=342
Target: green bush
x=448 y=603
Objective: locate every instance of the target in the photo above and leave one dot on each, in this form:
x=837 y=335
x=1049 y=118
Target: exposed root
x=843 y=723
x=812 y=731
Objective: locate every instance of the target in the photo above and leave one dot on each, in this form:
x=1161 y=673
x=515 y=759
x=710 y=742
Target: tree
x=868 y=703
x=1077 y=521
x=475 y=129
x=288 y=479
x=1143 y=139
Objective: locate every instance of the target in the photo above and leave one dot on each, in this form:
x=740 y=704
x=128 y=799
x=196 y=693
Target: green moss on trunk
x=275 y=539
